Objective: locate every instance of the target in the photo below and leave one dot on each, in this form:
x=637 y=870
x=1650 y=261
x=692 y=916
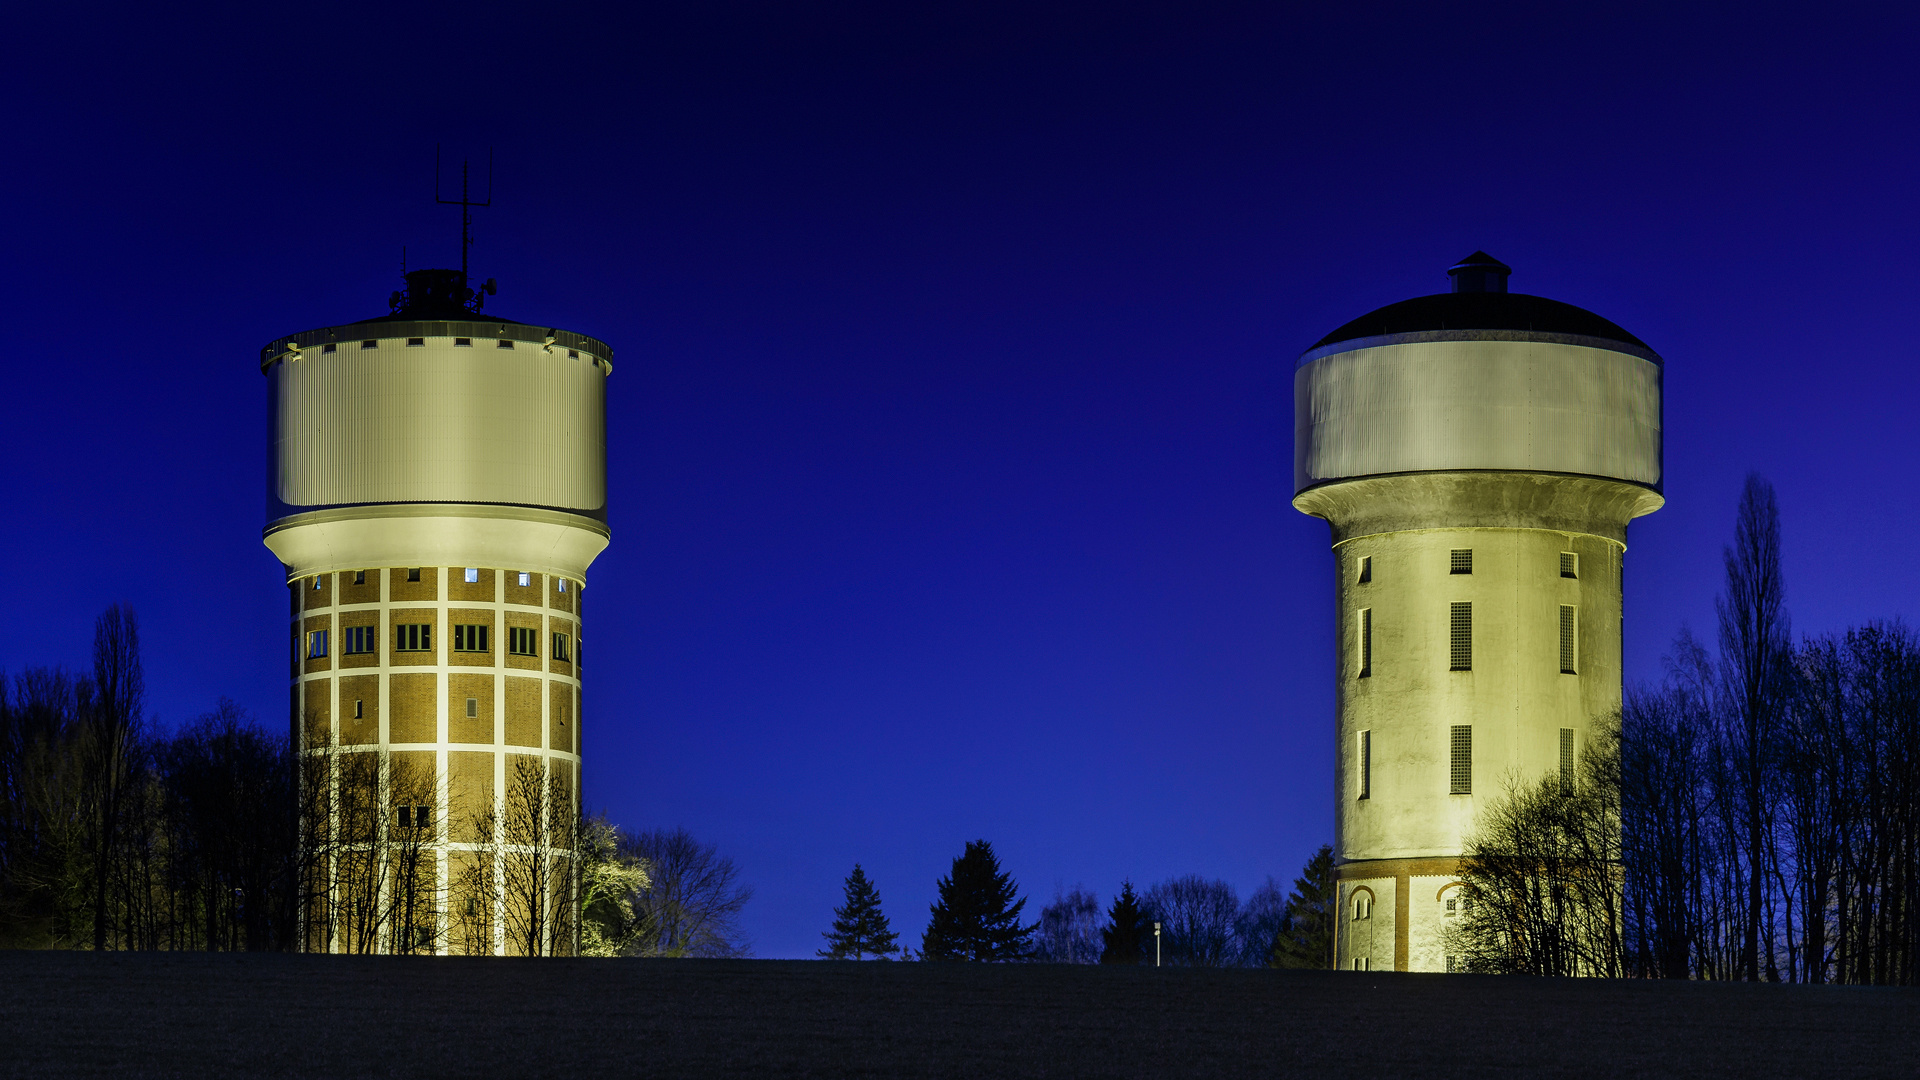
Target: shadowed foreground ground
x=64 y=1014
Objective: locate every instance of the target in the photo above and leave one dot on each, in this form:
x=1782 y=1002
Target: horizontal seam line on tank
x=1489 y=471
x=1480 y=528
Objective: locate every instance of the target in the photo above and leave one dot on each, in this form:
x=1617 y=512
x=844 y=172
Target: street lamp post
x=1156 y=944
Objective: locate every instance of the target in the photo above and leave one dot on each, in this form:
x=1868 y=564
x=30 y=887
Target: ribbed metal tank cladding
x=437 y=423
x=1525 y=406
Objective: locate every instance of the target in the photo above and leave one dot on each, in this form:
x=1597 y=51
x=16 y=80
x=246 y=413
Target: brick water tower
x=1478 y=454
x=436 y=492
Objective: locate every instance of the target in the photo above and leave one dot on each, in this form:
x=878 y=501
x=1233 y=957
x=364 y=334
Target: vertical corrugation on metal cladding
x=439 y=423
x=1499 y=405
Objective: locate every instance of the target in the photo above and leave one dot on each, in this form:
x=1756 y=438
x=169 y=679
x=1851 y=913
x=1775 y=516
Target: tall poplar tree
x=859 y=928
x=977 y=917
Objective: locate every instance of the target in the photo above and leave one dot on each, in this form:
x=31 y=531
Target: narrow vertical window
x=358 y=709
x=317 y=645
x=1462 y=561
x=1568 y=624
x=1569 y=564
x=1462 y=760
x=359 y=577
x=1566 y=761
x=526 y=579
x=473 y=707
x=1462 y=631
x=1366 y=764
x=1364 y=628
x=1365 y=573
x=561 y=584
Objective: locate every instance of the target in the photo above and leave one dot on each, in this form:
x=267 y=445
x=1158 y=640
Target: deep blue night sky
x=951 y=410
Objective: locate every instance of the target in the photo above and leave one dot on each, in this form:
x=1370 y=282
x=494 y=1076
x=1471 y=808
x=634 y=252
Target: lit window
x=473 y=575
x=317 y=645
x=560 y=653
x=1366 y=764
x=413 y=637
x=526 y=579
x=1461 y=624
x=561 y=585
x=473 y=707
x=1568 y=624
x=359 y=639
x=316 y=583
x=1462 y=770
x=470 y=637
x=523 y=641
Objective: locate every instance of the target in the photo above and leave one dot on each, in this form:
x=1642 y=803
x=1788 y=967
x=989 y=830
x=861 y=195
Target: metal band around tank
x=490 y=330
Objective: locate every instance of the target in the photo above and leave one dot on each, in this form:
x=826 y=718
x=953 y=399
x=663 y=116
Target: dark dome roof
x=1480 y=311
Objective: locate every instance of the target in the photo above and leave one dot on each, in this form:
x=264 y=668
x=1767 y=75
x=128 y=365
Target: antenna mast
x=465 y=203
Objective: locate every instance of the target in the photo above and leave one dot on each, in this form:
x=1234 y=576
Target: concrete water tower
x=1478 y=454
x=436 y=492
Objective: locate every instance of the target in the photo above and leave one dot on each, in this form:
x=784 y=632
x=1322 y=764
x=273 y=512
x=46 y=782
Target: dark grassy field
x=66 y=1014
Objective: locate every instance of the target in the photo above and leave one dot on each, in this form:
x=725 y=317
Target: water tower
x=1478 y=454
x=436 y=492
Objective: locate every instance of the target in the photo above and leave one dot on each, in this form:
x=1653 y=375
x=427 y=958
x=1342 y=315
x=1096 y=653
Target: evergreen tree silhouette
x=1125 y=935
x=977 y=917
x=859 y=928
x=1306 y=937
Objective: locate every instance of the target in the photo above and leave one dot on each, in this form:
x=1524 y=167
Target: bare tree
x=1755 y=655
x=692 y=904
x=524 y=865
x=1541 y=876
x=1199 y=921
x=119 y=698
x=1069 y=929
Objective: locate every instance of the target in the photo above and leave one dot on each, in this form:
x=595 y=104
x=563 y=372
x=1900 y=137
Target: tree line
x=1754 y=816
x=220 y=835
x=1201 y=922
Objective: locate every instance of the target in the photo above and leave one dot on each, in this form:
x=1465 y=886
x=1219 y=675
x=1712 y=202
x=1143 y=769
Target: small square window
x=359 y=577
x=523 y=641
x=473 y=574
x=1452 y=905
x=359 y=639
x=505 y=344
x=573 y=354
x=1462 y=561
x=526 y=579
x=413 y=573
x=416 y=342
x=1569 y=564
x=463 y=342
x=370 y=344
x=473 y=710
x=329 y=347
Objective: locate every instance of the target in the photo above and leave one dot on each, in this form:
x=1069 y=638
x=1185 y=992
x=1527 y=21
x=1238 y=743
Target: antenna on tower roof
x=465 y=204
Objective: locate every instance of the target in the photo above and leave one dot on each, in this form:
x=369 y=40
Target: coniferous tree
x=1125 y=935
x=977 y=917
x=859 y=928
x=1306 y=935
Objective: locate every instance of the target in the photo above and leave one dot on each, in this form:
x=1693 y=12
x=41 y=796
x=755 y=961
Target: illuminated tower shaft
x=1478 y=455
x=437 y=490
